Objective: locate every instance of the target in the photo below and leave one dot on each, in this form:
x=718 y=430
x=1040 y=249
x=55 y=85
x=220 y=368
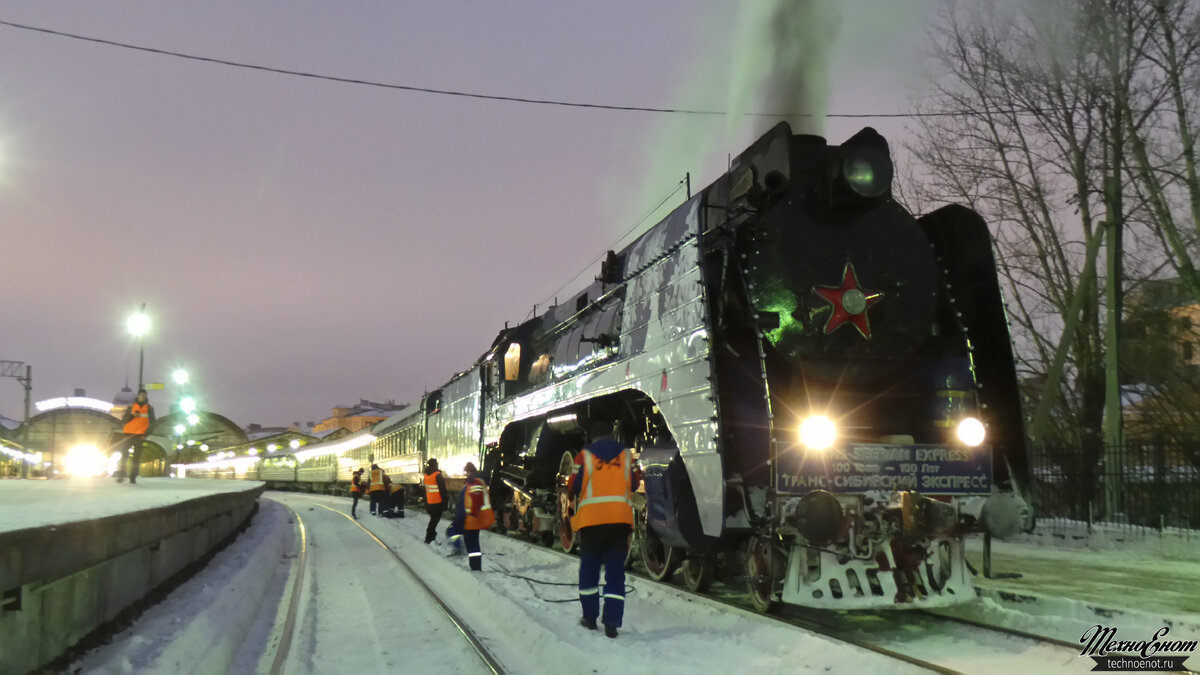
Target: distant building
x=1162 y=331
x=1160 y=356
x=358 y=417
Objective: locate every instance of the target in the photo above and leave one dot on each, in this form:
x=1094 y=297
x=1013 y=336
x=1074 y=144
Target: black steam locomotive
x=818 y=386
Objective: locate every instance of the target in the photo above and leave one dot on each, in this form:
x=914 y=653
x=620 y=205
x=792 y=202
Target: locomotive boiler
x=819 y=386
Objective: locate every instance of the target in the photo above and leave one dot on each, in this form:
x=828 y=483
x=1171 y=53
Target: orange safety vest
x=356 y=485
x=396 y=487
x=376 y=480
x=432 y=494
x=486 y=516
x=141 y=419
x=604 y=496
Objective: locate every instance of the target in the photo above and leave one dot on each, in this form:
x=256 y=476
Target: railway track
x=922 y=639
x=889 y=633
x=299 y=595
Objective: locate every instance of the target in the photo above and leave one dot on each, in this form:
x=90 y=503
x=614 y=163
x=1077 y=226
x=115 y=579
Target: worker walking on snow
x=356 y=492
x=603 y=486
x=474 y=513
x=435 y=497
x=138 y=418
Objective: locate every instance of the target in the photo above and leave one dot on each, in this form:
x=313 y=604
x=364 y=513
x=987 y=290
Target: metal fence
x=1139 y=486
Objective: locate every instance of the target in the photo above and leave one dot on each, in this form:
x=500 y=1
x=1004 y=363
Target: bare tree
x=1071 y=127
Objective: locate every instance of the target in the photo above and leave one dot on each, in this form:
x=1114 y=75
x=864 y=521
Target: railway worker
x=435 y=497
x=377 y=489
x=603 y=486
x=356 y=491
x=474 y=513
x=138 y=418
x=397 y=500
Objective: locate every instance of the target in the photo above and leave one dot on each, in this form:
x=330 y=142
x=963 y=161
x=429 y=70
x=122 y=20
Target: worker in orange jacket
x=603 y=519
x=435 y=497
x=138 y=418
x=377 y=489
x=474 y=513
x=356 y=492
x=397 y=500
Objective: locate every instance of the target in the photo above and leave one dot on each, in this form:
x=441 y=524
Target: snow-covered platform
x=75 y=553
x=1060 y=586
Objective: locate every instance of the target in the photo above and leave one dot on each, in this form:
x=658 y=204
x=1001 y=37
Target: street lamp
x=179 y=429
x=180 y=375
x=138 y=325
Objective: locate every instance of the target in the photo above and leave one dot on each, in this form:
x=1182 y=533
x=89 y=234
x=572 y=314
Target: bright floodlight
x=187 y=404
x=179 y=429
x=138 y=324
x=971 y=431
x=193 y=419
x=818 y=432
x=295 y=443
x=180 y=375
x=85 y=460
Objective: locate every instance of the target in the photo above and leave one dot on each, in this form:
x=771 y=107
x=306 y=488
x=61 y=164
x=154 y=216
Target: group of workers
x=386 y=497
x=602 y=485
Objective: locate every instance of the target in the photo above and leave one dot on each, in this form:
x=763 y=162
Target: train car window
x=433 y=403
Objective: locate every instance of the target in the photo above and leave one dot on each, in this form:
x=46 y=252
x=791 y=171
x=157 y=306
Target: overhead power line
x=443 y=92
x=613 y=245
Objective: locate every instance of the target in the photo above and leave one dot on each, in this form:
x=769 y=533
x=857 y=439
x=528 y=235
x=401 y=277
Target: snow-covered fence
x=1131 y=491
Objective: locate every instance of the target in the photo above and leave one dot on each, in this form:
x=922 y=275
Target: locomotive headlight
x=818 y=432
x=971 y=431
x=866 y=164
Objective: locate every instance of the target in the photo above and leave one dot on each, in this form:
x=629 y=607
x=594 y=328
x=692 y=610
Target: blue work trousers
x=603 y=546
x=474 y=555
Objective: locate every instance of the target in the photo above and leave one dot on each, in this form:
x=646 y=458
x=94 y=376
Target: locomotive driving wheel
x=698 y=572
x=764 y=572
x=659 y=559
x=566 y=504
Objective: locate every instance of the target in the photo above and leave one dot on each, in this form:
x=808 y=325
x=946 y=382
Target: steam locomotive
x=819 y=389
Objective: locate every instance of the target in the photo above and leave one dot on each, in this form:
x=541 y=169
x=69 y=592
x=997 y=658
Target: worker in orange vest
x=435 y=497
x=356 y=492
x=377 y=489
x=474 y=513
x=138 y=418
x=603 y=487
x=397 y=503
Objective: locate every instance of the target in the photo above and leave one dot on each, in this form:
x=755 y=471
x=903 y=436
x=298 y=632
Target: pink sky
x=302 y=243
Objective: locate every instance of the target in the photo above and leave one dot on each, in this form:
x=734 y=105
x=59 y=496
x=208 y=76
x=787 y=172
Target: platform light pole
x=138 y=325
x=179 y=429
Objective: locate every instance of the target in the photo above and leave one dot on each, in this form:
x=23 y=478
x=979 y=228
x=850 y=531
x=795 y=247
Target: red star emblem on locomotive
x=849 y=303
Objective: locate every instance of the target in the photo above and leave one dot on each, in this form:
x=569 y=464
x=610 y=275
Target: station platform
x=1060 y=584
x=76 y=553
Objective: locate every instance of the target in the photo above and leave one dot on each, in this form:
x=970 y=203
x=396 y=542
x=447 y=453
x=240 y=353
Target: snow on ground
x=219 y=620
x=1061 y=587
x=38 y=503
x=666 y=630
